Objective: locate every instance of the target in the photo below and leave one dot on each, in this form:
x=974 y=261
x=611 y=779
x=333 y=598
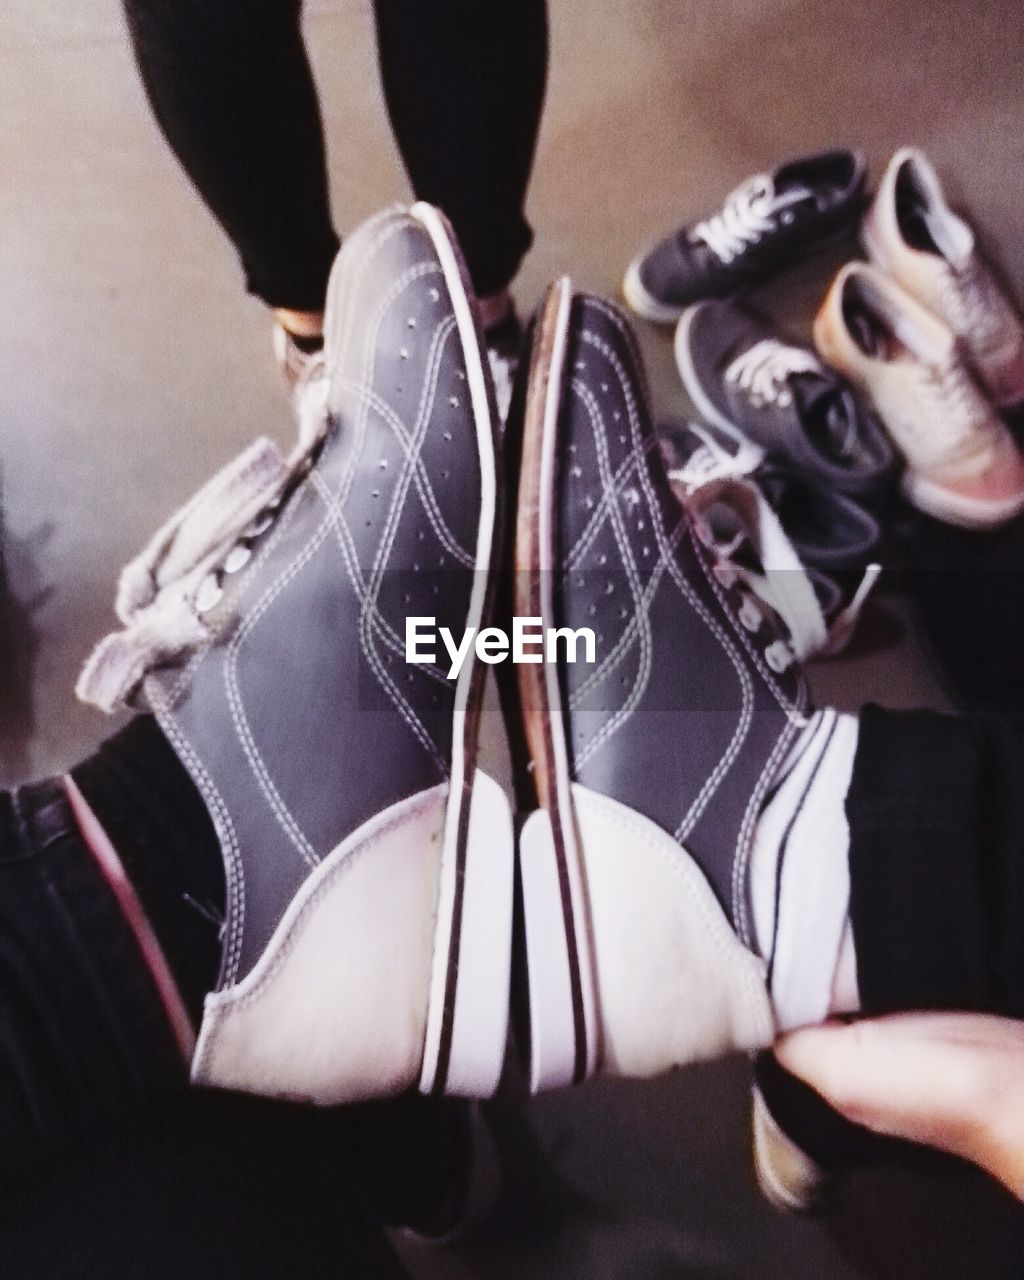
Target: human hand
x=953 y=1081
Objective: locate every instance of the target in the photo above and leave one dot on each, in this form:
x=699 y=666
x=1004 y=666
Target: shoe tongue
x=828 y=414
x=788 y=194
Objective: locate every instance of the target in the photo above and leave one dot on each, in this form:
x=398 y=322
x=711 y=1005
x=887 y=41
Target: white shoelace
x=976 y=306
x=710 y=476
x=958 y=423
x=747 y=215
x=164 y=593
x=764 y=370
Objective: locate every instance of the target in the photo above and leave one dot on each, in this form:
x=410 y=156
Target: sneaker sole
x=559 y=951
x=467 y=1013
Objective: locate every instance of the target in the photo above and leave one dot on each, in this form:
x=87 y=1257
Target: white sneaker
x=962 y=464
x=912 y=234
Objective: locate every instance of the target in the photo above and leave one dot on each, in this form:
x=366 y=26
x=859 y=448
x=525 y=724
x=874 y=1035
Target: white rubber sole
x=642 y=301
x=468 y=1009
x=451 y=1063
x=952 y=508
x=559 y=960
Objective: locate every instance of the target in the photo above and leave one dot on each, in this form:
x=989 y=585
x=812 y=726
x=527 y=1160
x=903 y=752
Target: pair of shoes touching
x=369 y=862
x=922 y=330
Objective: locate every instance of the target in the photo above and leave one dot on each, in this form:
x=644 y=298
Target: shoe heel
x=669 y=981
x=553 y=1031
x=467 y=1018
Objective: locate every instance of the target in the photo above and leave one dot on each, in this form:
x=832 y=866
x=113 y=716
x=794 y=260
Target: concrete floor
x=131 y=365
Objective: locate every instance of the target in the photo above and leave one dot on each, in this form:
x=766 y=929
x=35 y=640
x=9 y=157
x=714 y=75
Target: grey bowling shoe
x=369 y=862
x=653 y=761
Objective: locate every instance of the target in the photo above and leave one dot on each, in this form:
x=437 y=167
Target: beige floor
x=131 y=364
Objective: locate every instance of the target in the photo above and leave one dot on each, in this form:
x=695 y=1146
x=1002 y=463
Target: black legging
x=231 y=87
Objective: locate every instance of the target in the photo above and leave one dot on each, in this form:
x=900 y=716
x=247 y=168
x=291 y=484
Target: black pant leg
x=464 y=83
x=936 y=817
x=231 y=89
x=936 y=814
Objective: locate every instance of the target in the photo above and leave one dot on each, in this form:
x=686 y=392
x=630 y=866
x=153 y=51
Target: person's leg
x=231 y=88
x=464 y=84
x=935 y=814
x=84 y=1032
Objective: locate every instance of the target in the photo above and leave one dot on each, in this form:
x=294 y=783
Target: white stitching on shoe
x=667 y=549
x=626 y=555
x=234 y=872
x=600 y=513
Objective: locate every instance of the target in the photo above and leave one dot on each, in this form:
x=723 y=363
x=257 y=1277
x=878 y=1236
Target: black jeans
x=936 y=816
x=85 y=1052
x=231 y=88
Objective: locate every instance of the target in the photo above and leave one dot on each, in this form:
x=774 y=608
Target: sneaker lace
x=778 y=583
x=975 y=305
x=747 y=215
x=955 y=423
x=764 y=370
x=166 y=591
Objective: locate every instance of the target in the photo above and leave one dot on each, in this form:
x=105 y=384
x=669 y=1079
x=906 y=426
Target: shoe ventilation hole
x=623 y=613
x=420 y=536
x=576 y=472
x=588 y=502
x=622 y=439
x=461 y=376
x=411 y=322
x=640 y=526
x=383 y=464
x=645 y=552
x=602 y=559
x=435 y=295
x=609 y=587
x=604 y=387
x=447 y=435
x=404 y=353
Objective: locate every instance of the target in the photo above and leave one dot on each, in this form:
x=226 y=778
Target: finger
x=927 y=1078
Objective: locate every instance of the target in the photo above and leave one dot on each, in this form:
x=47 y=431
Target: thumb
x=953 y=1081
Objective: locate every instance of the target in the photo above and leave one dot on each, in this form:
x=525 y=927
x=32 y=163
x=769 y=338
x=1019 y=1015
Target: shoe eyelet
x=237 y=558
x=778 y=656
x=260 y=525
x=749 y=615
x=209 y=595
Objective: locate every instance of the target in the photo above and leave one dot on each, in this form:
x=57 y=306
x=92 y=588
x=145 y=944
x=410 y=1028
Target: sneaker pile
x=917 y=352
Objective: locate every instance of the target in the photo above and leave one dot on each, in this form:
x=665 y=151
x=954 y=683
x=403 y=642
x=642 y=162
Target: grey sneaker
x=749 y=384
x=369 y=863
x=652 y=762
x=770 y=221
